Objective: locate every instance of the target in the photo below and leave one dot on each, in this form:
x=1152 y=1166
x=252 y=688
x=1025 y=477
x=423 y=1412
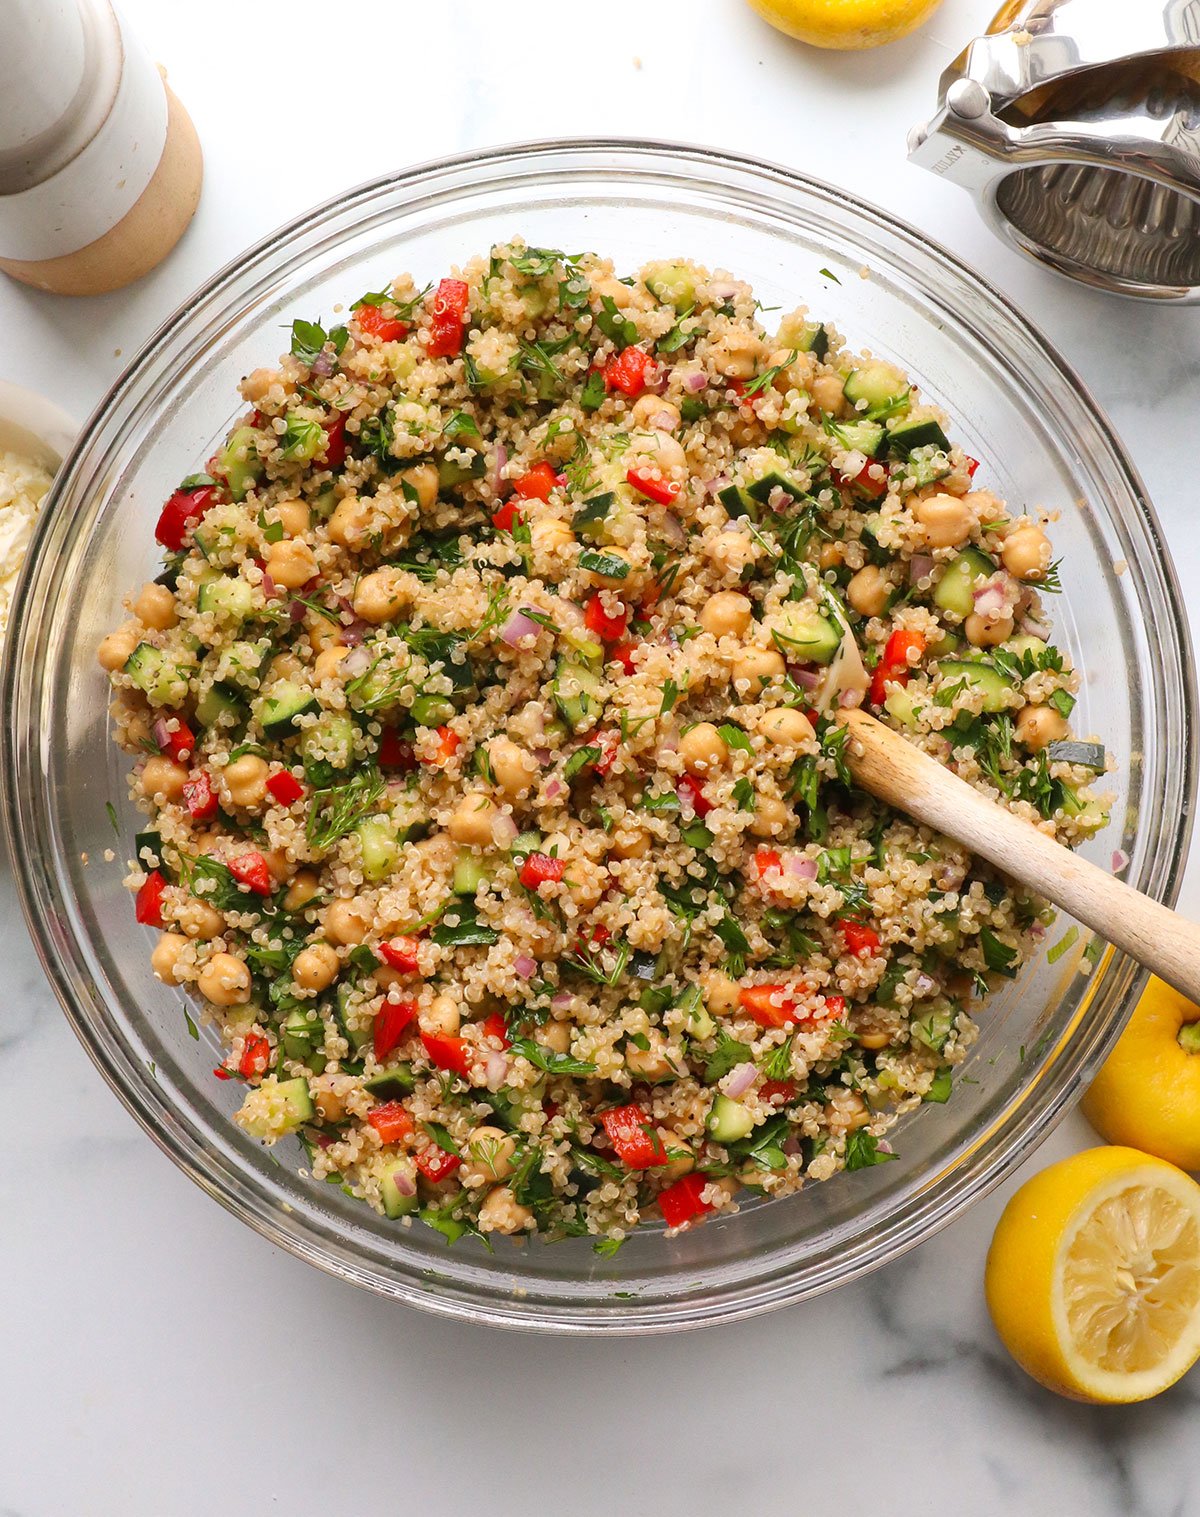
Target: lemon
x=1148 y=1093
x=846 y=23
x=1093 y=1276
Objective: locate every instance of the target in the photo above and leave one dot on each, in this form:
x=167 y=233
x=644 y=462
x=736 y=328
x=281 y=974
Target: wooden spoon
x=888 y=766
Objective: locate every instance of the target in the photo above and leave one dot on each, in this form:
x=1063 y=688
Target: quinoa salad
x=485 y=720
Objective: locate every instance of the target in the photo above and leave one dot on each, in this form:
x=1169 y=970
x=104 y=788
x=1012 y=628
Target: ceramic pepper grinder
x=100 y=166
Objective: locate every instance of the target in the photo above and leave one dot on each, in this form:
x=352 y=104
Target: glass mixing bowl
x=1016 y=405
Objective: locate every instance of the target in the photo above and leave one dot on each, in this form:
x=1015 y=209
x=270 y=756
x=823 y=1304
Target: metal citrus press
x=1076 y=126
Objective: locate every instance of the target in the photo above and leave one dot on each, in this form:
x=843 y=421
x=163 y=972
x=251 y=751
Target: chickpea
x=755 y=667
x=317 y=967
x=730 y=552
x=651 y=1063
x=257 y=385
x=382 y=595
x=556 y=1036
x=200 y=920
x=873 y=1041
x=869 y=591
x=771 y=817
x=225 y=981
x=488 y=1156
x=441 y=1016
x=720 y=992
x=329 y=1092
x=584 y=880
x=291 y=563
x=629 y=842
x=301 y=890
x=278 y=863
x=295 y=516
x=327 y=663
x=350 y=522
x=736 y=353
x=681 y=1164
x=944 y=520
x=323 y=634
x=503 y=1213
x=163 y=778
x=1039 y=725
x=786 y=727
x=474 y=820
x=165 y=957
x=114 y=650
x=514 y=767
x=1025 y=553
x=549 y=535
x=654 y=411
x=423 y=480
x=846 y=1111
x=723 y=1190
x=829 y=392
x=245 y=781
x=155 y=607
x=285 y=666
x=986 y=632
x=727 y=612
x=702 y=748
x=347 y=921
x=657 y=450
x=830 y=555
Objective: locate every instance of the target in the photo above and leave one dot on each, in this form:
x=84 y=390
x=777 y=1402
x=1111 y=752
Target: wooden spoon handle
x=891 y=768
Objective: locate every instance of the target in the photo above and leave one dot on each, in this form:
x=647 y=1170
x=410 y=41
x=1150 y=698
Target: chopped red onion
x=542 y=755
x=355 y=633
x=715 y=486
x=695 y=382
x=739 y=1080
x=504 y=831
x=779 y=499
x=725 y=292
x=990 y=595
x=807 y=679
x=925 y=985
x=516 y=627
x=296 y=612
x=405 y=1184
x=800 y=867
x=554 y=787
x=1120 y=860
x=1031 y=627
x=162 y=734
x=920 y=567
x=322 y=365
x=561 y=1000
x=673 y=530
x=269 y=588
x=356 y=662
x=496 y=1069
x=498 y=468
x=885 y=1147
x=790 y=1146
x=525 y=966
x=848 y=699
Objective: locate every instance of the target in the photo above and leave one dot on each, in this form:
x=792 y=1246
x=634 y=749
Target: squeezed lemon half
x=845 y=23
x=1093 y=1276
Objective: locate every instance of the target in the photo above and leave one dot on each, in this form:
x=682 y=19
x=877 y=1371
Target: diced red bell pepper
x=256 y=1057
x=436 y=1164
x=690 y=786
x=608 y=628
x=200 y=798
x=766 y=859
x=508 y=517
x=632 y=1134
x=737 y=388
x=682 y=1202
x=448 y=745
x=537 y=484
x=865 y=482
x=600 y=935
x=495 y=1026
x=401 y=953
x=147 y=904
x=972 y=465
x=834 y=1009
x=894 y=667
x=769 y=1005
x=396 y=752
x=390 y=1024
x=335 y=442
x=285 y=788
x=446 y=1052
x=858 y=937
x=663 y=491
x=181 y=512
x=371 y=319
x=178 y=744
x=448 y=314
x=623 y=654
x=609 y=744
x=392 y=1122
x=781 y=1090
x=252 y=869
x=627 y=371
x=537 y=868
x=222 y=1074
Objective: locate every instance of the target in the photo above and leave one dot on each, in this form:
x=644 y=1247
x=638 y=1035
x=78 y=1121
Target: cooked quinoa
x=23 y=486
x=486 y=715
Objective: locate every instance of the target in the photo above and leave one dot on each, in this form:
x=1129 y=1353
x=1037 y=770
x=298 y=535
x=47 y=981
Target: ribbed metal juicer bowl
x=1076 y=126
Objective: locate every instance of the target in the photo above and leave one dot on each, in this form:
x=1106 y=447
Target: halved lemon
x=846 y=24
x=1093 y=1276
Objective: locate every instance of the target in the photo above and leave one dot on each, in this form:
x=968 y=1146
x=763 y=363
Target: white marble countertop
x=157 y=1359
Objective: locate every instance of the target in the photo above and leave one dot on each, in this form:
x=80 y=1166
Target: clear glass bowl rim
x=999 y=1151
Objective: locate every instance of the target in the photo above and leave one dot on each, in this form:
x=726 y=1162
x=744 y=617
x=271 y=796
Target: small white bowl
x=34 y=427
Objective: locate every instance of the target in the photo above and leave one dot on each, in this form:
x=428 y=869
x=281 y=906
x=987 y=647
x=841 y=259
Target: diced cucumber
x=908 y=433
x=161 y=681
x=762 y=489
x=303 y=1035
x=230 y=597
x=243 y=661
x=469 y=874
x=933 y=1030
x=451 y=472
x=220 y=706
x=986 y=679
x=1089 y=813
x=1026 y=643
x=238 y=462
x=432 y=710
x=510 y=1105
x=576 y=690
x=591 y=516
x=358 y=1035
x=378 y=847
x=877 y=388
x=955 y=591
x=283 y=705
x=1090 y=755
x=327 y=747
x=797 y=331
x=729 y=1121
x=858 y=436
x=673 y=285
x=393 y=1083
x=738 y=502
x=148 y=849
x=398 y=1188
x=922 y=467
x=804 y=634
x=698 y=1023
x=900 y=705
x=298 y=1109
x=525 y=843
